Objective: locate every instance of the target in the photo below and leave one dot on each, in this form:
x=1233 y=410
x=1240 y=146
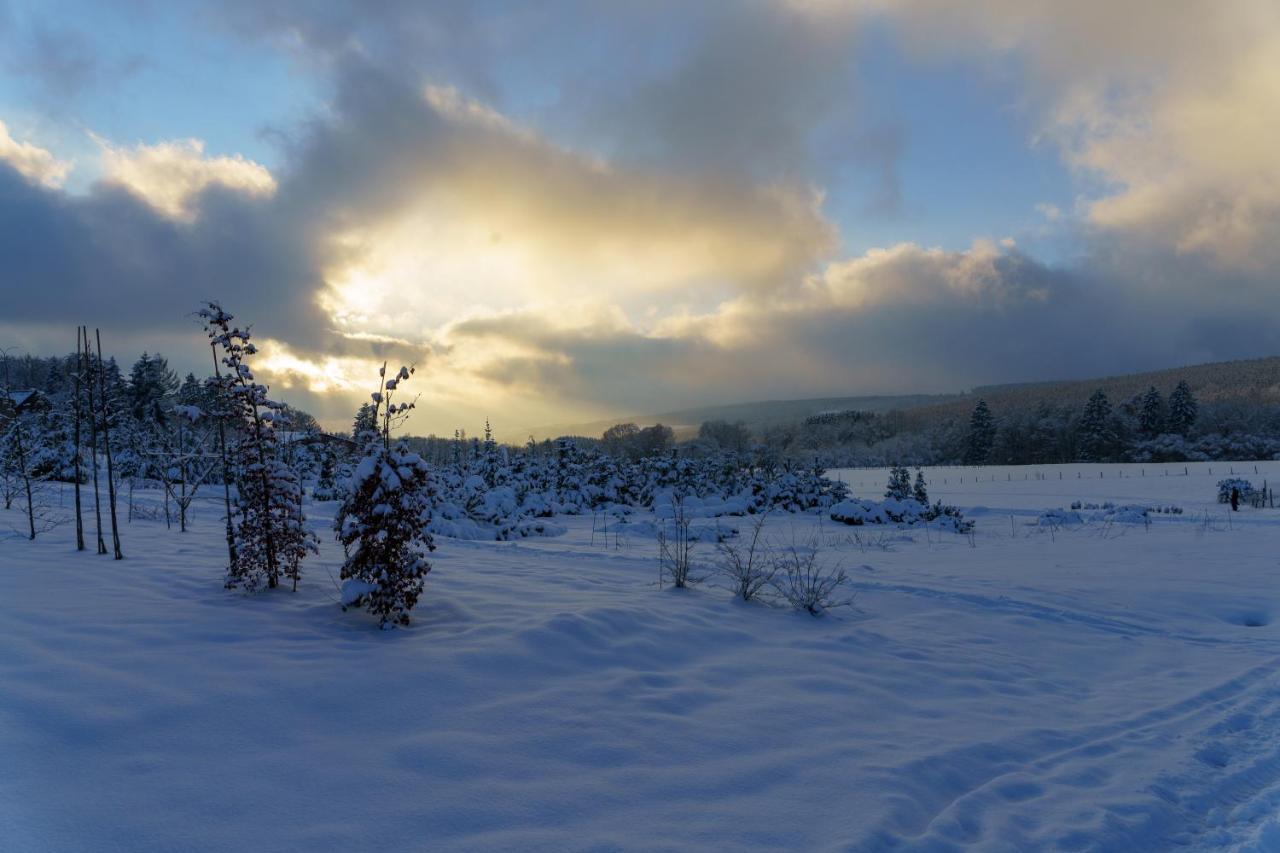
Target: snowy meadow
x=1084 y=680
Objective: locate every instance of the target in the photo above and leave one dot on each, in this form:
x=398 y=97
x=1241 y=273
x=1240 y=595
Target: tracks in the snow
x=1224 y=742
x=1048 y=613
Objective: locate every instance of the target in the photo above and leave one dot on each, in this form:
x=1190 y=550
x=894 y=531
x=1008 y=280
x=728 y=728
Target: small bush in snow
x=675 y=548
x=806 y=583
x=382 y=521
x=747 y=565
x=1247 y=492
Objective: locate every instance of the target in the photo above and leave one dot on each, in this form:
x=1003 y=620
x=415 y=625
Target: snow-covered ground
x=1095 y=687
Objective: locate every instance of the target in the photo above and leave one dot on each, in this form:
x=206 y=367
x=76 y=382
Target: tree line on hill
x=1148 y=427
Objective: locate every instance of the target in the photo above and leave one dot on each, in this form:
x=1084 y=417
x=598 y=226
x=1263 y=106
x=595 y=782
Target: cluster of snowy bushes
x=1082 y=512
x=504 y=493
x=904 y=504
x=1108 y=506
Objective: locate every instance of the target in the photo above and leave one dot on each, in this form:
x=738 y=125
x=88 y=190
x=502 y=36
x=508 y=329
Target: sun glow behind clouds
x=340 y=374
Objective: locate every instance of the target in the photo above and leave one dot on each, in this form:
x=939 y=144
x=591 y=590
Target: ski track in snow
x=1077 y=690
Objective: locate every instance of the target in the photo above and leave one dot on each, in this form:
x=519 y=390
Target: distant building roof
x=26 y=398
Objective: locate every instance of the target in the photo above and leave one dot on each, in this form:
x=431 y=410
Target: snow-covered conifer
x=269 y=529
x=1183 y=409
x=1097 y=435
x=382 y=521
x=921 y=491
x=1151 y=415
x=899 y=487
x=982 y=435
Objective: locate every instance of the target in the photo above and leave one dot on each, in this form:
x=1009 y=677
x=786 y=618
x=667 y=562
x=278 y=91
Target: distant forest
x=1220 y=411
x=1225 y=410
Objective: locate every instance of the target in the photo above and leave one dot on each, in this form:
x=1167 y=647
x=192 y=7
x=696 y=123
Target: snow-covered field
x=1107 y=686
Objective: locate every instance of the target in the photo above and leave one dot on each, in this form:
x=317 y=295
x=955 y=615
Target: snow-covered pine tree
x=151 y=382
x=982 y=435
x=899 y=487
x=489 y=457
x=191 y=392
x=1097 y=436
x=921 y=491
x=271 y=538
x=382 y=521
x=1183 y=409
x=1151 y=415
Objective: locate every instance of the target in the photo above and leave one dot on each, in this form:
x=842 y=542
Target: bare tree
x=79 y=473
x=183 y=463
x=106 y=444
x=675 y=547
x=87 y=369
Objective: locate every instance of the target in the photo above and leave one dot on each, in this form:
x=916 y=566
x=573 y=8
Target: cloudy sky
x=565 y=211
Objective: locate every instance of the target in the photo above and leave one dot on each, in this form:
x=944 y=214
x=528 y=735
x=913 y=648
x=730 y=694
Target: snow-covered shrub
x=747 y=565
x=1247 y=491
x=907 y=511
x=1127 y=514
x=382 y=522
x=1059 y=518
x=806 y=583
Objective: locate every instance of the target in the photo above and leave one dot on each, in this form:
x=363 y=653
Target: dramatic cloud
x=570 y=211
x=170 y=175
x=878 y=323
x=1174 y=107
x=32 y=161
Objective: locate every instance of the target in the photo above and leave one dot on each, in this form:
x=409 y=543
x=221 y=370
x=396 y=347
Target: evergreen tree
x=366 y=422
x=920 y=492
x=382 y=521
x=1097 y=434
x=56 y=381
x=899 y=487
x=151 y=382
x=191 y=392
x=1151 y=415
x=1183 y=409
x=271 y=538
x=982 y=435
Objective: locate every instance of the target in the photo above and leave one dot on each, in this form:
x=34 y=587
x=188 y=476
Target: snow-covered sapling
x=382 y=521
x=921 y=491
x=269 y=529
